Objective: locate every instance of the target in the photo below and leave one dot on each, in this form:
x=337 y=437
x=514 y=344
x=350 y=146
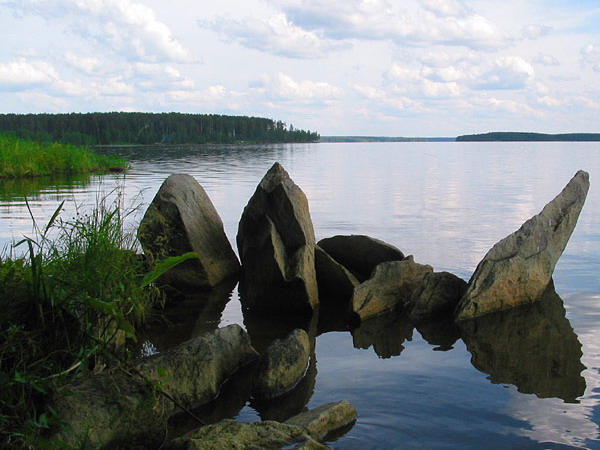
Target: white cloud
x=590 y=56
x=546 y=60
x=535 y=31
x=508 y=72
x=125 y=26
x=284 y=87
x=23 y=74
x=88 y=65
x=276 y=35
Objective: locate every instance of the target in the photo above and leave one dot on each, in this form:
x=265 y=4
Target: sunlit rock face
x=276 y=243
x=182 y=219
x=518 y=269
x=532 y=346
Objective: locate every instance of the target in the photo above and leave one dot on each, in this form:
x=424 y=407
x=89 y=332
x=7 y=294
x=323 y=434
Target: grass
x=68 y=305
x=25 y=158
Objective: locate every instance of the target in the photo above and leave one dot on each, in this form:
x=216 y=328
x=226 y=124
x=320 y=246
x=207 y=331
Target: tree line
x=114 y=128
x=525 y=136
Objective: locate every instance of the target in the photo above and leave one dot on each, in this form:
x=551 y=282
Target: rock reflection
x=386 y=333
x=532 y=347
x=195 y=313
x=441 y=333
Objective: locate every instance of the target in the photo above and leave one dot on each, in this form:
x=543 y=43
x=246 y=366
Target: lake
x=526 y=379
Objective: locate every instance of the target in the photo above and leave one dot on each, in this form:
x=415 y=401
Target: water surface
x=530 y=380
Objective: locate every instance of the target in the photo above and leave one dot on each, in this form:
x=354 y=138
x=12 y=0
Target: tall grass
x=68 y=304
x=24 y=158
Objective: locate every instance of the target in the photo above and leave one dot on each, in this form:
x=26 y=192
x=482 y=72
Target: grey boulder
x=276 y=243
x=436 y=297
x=182 y=219
x=518 y=269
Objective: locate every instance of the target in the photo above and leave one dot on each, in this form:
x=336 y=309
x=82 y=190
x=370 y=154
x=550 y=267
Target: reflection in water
x=188 y=317
x=441 y=333
x=532 y=347
x=15 y=190
x=386 y=333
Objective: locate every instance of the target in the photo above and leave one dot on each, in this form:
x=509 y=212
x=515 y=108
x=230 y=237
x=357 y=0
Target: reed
x=25 y=158
x=68 y=305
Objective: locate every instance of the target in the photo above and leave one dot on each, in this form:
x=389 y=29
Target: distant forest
x=517 y=136
x=116 y=128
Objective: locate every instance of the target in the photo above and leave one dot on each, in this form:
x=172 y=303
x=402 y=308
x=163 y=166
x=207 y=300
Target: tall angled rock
x=276 y=243
x=518 y=269
x=182 y=219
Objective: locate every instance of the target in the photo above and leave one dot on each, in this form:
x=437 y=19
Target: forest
x=519 y=136
x=121 y=128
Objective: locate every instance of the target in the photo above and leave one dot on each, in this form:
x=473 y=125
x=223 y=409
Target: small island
x=511 y=136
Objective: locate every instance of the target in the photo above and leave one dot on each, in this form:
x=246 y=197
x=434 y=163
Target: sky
x=339 y=67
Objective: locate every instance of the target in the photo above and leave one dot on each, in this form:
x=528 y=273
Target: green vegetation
x=117 y=128
x=69 y=304
x=517 y=136
x=25 y=158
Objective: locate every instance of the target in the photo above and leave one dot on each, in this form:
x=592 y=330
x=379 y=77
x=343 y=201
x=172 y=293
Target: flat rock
x=229 y=434
x=391 y=286
x=276 y=242
x=282 y=365
x=518 y=269
x=321 y=421
x=360 y=254
x=182 y=219
x=436 y=297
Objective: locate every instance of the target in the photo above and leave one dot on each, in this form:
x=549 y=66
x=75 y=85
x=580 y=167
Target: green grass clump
x=24 y=158
x=67 y=307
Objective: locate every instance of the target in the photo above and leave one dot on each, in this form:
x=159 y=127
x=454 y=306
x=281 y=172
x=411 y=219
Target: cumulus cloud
x=535 y=31
x=89 y=65
x=590 y=56
x=22 y=74
x=275 y=35
x=284 y=87
x=124 y=26
x=508 y=72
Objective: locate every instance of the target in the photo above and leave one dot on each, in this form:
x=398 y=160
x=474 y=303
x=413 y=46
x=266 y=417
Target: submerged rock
x=321 y=421
x=125 y=407
x=182 y=219
x=436 y=297
x=518 y=269
x=276 y=242
x=282 y=366
x=391 y=286
x=360 y=254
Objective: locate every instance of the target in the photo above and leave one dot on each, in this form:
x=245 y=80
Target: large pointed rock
x=182 y=219
x=518 y=269
x=276 y=243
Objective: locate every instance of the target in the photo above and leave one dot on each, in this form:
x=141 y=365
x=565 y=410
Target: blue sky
x=352 y=67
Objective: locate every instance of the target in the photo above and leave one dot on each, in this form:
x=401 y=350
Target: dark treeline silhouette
x=519 y=136
x=114 y=128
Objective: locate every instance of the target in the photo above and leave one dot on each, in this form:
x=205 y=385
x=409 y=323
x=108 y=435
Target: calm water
x=517 y=381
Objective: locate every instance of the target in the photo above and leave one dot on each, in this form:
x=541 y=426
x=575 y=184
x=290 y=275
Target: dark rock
x=386 y=333
x=276 y=243
x=532 y=346
x=391 y=286
x=436 y=297
x=336 y=283
x=182 y=219
x=518 y=269
x=360 y=254
x=282 y=366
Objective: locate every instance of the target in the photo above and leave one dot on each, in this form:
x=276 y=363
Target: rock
x=321 y=421
x=518 y=269
x=229 y=434
x=336 y=283
x=282 y=365
x=360 y=254
x=182 y=219
x=276 y=242
x=391 y=286
x=532 y=347
x=436 y=297
x=126 y=409
x=194 y=371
